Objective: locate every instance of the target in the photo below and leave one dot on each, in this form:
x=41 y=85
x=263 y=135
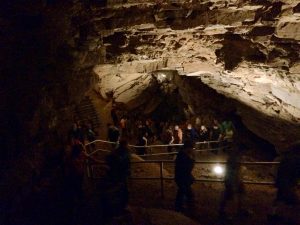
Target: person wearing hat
x=184 y=165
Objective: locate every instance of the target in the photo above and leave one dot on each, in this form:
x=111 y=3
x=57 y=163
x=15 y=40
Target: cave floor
x=257 y=200
x=146 y=193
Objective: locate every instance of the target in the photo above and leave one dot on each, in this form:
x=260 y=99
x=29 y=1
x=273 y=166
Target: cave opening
x=171 y=109
x=169 y=105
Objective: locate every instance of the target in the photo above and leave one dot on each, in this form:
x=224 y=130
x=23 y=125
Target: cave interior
x=171 y=61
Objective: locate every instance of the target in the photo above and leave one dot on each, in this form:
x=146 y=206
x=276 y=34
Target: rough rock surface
x=289 y=27
x=248 y=53
x=127 y=83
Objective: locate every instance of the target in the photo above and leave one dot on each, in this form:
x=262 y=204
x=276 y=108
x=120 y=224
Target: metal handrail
x=205 y=162
x=164 y=153
x=155 y=154
x=149 y=146
x=162 y=178
x=158 y=154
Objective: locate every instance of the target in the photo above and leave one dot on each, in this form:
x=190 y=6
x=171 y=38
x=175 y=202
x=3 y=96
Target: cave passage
x=172 y=109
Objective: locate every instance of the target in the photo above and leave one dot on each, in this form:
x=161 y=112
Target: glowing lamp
x=218 y=170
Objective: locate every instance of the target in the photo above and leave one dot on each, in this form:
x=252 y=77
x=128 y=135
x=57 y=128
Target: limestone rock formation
x=289 y=27
x=248 y=53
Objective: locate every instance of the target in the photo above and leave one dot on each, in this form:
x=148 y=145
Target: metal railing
x=202 y=149
x=149 y=146
x=161 y=163
x=163 y=178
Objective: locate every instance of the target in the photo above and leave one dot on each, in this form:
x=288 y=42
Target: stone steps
x=86 y=112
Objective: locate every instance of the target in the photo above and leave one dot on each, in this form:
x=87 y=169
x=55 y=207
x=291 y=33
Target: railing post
x=162 y=180
x=88 y=168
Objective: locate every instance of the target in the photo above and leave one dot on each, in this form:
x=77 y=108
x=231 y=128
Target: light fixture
x=218 y=170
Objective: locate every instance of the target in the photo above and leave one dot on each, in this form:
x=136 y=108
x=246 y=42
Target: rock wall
x=130 y=83
x=256 y=115
x=246 y=51
x=47 y=55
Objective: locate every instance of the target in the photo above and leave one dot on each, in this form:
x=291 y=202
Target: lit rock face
x=130 y=83
x=268 y=105
x=289 y=27
x=243 y=56
x=263 y=90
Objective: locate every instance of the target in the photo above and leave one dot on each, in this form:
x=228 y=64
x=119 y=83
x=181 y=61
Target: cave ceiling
x=247 y=51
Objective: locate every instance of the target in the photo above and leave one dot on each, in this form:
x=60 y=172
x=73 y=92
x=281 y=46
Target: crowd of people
x=117 y=163
x=147 y=131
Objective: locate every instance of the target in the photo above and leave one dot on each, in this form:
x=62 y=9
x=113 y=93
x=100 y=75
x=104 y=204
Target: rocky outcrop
x=289 y=27
x=261 y=102
x=248 y=54
x=130 y=83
